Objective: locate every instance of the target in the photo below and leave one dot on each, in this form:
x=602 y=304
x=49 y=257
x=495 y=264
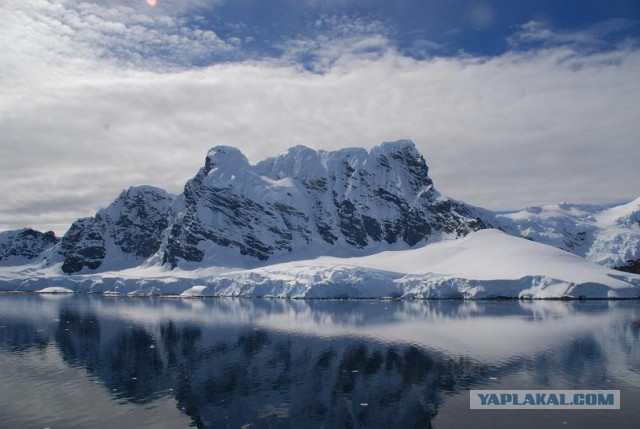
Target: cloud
x=79 y=123
x=334 y=40
x=126 y=34
x=606 y=35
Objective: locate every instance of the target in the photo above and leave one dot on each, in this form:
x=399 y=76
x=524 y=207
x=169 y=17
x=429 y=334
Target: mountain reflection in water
x=277 y=363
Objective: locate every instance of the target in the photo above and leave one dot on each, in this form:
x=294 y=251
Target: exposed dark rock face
x=232 y=221
x=25 y=243
x=83 y=245
x=140 y=220
x=630 y=267
x=127 y=231
x=306 y=200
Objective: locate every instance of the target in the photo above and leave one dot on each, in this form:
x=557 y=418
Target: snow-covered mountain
x=302 y=203
x=312 y=223
x=307 y=203
x=484 y=264
x=23 y=245
x=607 y=236
x=121 y=235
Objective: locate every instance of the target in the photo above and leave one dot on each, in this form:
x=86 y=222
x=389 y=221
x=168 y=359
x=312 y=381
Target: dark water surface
x=104 y=362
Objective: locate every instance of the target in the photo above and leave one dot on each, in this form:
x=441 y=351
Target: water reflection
x=275 y=363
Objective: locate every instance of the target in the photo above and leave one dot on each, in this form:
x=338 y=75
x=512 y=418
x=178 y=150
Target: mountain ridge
x=311 y=202
x=305 y=203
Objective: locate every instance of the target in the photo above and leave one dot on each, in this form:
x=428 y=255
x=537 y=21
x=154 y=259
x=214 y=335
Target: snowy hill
x=607 y=236
x=485 y=264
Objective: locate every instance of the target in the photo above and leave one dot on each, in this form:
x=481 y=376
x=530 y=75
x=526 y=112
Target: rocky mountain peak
x=225 y=158
x=303 y=202
x=123 y=234
x=397 y=146
x=24 y=244
x=318 y=202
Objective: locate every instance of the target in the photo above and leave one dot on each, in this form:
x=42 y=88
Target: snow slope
x=485 y=264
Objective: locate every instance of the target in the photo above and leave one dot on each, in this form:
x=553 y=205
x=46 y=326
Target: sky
x=512 y=103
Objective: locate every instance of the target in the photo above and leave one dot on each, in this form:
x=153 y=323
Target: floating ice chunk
x=196 y=291
x=55 y=289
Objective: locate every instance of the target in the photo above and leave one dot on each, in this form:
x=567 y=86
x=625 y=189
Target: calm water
x=99 y=362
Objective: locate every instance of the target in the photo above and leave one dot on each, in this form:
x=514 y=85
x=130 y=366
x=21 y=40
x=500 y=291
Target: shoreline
x=285 y=298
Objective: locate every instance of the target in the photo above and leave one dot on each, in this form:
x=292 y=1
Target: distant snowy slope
x=607 y=236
